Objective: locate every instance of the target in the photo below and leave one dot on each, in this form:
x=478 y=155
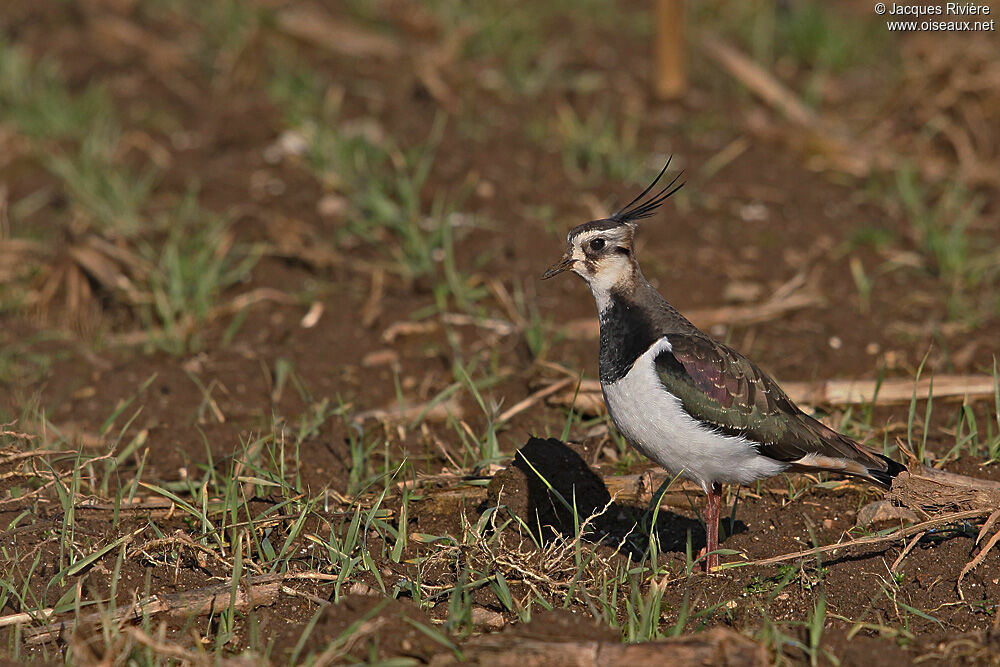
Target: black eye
x=597 y=244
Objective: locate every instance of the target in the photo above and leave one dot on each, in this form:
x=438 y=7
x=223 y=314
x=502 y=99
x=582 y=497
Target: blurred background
x=445 y=146
x=246 y=213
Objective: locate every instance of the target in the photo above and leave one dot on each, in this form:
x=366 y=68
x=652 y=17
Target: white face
x=603 y=258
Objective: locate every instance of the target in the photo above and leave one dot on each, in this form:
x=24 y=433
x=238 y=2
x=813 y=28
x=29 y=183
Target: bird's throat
x=626 y=332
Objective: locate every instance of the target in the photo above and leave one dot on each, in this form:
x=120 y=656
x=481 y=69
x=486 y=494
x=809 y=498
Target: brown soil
x=760 y=221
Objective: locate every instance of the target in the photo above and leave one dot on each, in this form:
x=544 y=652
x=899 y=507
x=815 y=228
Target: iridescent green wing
x=720 y=387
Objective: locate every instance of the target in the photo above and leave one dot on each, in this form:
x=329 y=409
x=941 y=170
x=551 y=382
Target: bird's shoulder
x=714 y=377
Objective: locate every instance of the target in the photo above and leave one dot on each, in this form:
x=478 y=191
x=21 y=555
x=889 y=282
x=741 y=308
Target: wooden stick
x=718 y=646
x=906 y=550
x=854 y=392
x=333 y=33
x=373 y=306
x=987 y=525
x=865 y=541
x=972 y=564
x=759 y=81
x=26 y=617
x=670 y=70
x=406 y=411
x=526 y=403
x=251 y=592
x=590 y=400
x=931 y=492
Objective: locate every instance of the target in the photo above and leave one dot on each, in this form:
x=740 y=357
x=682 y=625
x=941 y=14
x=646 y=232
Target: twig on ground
x=373 y=306
x=590 y=401
x=526 y=403
x=981 y=556
x=759 y=81
x=906 y=550
x=839 y=149
x=493 y=324
x=233 y=306
x=405 y=412
x=404 y=328
x=718 y=646
x=865 y=541
x=901 y=390
x=311 y=318
x=252 y=592
x=317 y=27
x=932 y=492
x=990 y=522
x=972 y=564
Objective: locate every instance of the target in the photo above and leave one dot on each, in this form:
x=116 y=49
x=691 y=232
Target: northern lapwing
x=690 y=403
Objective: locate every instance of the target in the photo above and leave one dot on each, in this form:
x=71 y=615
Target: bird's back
x=648 y=347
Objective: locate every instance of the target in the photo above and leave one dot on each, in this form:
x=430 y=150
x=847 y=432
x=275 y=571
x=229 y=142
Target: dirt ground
x=269 y=284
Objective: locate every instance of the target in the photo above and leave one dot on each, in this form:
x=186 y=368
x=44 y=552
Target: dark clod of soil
x=544 y=477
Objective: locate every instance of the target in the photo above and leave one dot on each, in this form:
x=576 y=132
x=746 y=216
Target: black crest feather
x=637 y=209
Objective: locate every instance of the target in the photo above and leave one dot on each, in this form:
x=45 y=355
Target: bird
x=692 y=404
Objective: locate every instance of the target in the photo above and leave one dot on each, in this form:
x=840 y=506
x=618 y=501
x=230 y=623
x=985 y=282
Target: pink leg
x=712 y=503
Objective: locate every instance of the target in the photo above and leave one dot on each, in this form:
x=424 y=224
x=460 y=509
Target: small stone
x=753 y=212
x=194 y=365
x=893 y=359
x=882 y=511
x=384 y=357
x=873 y=348
x=291 y=142
x=828 y=523
x=311 y=318
x=361 y=589
x=485 y=190
x=85 y=392
x=487 y=617
x=835 y=342
x=331 y=206
x=598 y=431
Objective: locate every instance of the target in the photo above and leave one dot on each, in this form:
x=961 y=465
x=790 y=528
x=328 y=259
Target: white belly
x=653 y=421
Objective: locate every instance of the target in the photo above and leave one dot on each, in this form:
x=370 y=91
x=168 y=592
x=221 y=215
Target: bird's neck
x=633 y=317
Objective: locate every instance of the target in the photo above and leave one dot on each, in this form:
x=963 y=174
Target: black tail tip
x=885 y=477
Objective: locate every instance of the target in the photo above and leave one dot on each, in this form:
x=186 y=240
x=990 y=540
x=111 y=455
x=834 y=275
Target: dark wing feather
x=721 y=387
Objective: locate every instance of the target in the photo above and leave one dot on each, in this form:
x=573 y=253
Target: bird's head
x=602 y=251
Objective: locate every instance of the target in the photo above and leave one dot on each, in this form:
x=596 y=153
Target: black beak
x=563 y=264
